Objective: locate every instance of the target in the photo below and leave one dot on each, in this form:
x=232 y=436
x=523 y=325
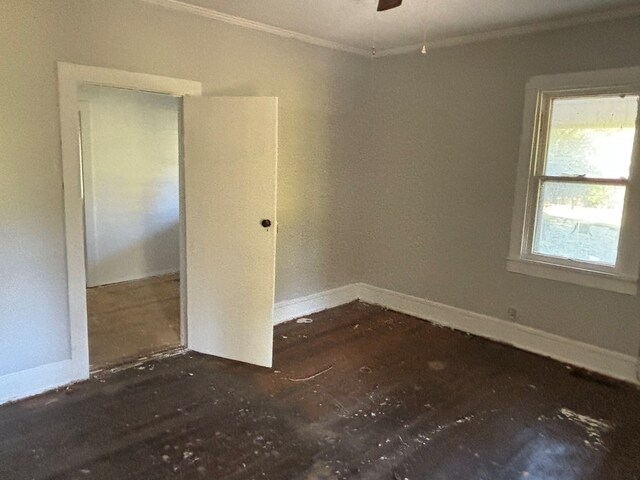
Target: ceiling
x=355 y=24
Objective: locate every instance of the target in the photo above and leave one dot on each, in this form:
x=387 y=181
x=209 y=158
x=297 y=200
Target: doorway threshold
x=100 y=372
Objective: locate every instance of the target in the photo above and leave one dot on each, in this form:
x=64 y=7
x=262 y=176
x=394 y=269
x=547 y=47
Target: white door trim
x=70 y=76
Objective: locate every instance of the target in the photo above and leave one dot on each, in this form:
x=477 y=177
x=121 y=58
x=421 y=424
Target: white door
x=230 y=154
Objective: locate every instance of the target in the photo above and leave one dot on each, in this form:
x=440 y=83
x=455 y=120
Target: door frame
x=70 y=77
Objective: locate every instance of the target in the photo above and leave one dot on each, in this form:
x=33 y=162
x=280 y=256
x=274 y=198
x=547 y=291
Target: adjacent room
x=129 y=144
x=349 y=239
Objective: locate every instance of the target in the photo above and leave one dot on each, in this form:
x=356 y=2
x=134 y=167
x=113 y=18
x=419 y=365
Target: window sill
x=576 y=276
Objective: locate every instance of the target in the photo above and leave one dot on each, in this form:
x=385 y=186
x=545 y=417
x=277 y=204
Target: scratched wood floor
x=395 y=398
x=133 y=319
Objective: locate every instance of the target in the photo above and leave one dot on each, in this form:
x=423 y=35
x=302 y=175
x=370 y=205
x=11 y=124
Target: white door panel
x=230 y=155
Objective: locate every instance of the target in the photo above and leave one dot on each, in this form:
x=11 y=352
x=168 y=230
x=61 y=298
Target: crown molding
x=252 y=25
x=516 y=31
x=181 y=6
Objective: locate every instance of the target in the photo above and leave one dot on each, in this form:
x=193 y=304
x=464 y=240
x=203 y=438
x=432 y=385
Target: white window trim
x=622 y=278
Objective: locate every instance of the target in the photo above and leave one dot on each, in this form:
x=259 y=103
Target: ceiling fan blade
x=388 y=4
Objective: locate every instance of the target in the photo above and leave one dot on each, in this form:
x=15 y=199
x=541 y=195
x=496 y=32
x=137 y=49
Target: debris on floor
x=345 y=404
x=311 y=376
x=437 y=365
x=592 y=426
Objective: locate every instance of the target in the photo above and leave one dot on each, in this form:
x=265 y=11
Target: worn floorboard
x=396 y=398
x=133 y=319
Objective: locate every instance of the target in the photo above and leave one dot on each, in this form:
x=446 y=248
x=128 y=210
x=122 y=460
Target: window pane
x=591 y=136
x=579 y=221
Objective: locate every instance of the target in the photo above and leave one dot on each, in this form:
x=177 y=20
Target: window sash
x=537 y=178
x=585 y=180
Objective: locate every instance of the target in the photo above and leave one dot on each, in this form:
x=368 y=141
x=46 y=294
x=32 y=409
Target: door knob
x=266 y=223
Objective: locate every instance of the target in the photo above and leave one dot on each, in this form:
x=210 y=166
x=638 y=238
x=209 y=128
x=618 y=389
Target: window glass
x=591 y=136
x=579 y=221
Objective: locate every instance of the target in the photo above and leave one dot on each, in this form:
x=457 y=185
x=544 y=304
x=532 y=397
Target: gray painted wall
x=439 y=181
x=399 y=173
x=320 y=117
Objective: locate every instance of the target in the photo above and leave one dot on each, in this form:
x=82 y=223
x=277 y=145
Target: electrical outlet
x=512 y=313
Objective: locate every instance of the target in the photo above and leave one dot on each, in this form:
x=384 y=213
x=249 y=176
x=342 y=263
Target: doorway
x=131 y=182
x=71 y=78
x=228 y=152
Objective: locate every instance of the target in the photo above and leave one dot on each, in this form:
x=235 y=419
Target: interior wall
x=320 y=128
x=131 y=184
x=441 y=174
x=398 y=172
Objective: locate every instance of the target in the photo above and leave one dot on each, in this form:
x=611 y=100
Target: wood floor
x=360 y=392
x=130 y=320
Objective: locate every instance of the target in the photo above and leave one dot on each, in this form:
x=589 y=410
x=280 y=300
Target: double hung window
x=576 y=217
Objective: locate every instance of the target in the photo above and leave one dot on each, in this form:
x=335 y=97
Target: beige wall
x=320 y=118
x=441 y=178
x=130 y=158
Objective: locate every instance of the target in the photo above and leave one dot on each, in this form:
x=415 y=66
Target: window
x=577 y=211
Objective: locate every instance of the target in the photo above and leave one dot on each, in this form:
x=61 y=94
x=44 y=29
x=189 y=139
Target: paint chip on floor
x=437 y=365
x=592 y=426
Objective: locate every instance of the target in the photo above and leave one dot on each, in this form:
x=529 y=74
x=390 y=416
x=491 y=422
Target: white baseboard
x=593 y=358
x=613 y=364
x=140 y=276
x=33 y=381
x=299 y=307
x=573 y=352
